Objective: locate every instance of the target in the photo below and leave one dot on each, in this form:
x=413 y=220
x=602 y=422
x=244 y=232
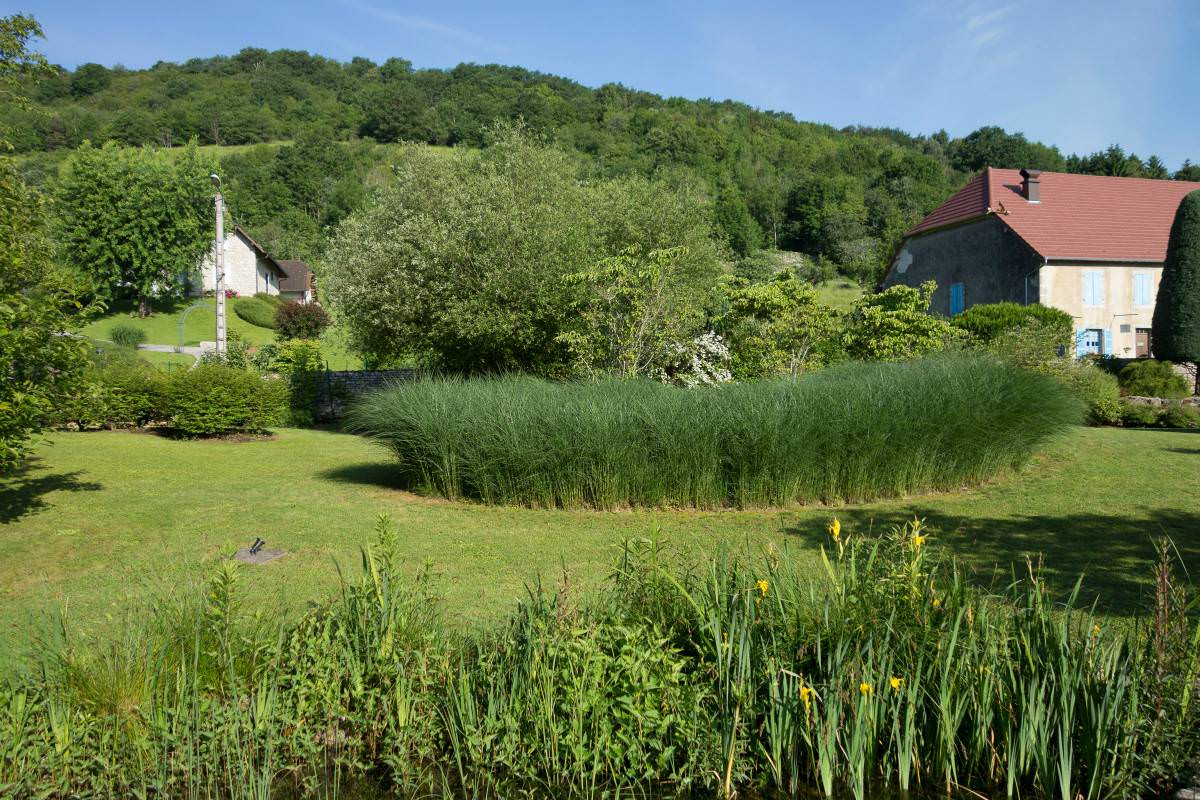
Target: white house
x=250 y=269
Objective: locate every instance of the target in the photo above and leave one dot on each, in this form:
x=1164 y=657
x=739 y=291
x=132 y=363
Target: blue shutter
x=1108 y=342
x=1098 y=287
x=1142 y=284
x=1087 y=289
x=1080 y=336
x=957 y=298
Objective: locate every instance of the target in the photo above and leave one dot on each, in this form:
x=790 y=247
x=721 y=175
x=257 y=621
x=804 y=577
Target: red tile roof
x=1085 y=217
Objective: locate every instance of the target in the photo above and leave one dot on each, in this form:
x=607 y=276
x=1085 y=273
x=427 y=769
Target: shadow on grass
x=24 y=492
x=385 y=476
x=1114 y=554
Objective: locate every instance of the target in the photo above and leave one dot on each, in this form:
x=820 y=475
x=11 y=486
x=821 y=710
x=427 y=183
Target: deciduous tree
x=136 y=222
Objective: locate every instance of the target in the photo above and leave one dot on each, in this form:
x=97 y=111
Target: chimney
x=1031 y=185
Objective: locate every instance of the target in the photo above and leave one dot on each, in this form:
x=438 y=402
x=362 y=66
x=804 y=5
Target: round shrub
x=1139 y=415
x=255 y=311
x=1090 y=384
x=272 y=299
x=215 y=399
x=988 y=320
x=123 y=335
x=853 y=432
x=117 y=391
x=1180 y=416
x=301 y=320
x=1152 y=378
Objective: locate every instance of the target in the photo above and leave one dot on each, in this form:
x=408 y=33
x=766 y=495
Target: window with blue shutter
x=1080 y=337
x=1093 y=341
x=1143 y=286
x=1093 y=287
x=1106 y=342
x=958 y=299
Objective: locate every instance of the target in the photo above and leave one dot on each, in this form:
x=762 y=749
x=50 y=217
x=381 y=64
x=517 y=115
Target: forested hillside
x=842 y=196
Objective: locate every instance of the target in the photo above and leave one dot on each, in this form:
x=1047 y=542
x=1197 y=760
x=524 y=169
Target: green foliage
x=1176 y=326
x=255 y=311
x=636 y=307
x=215 y=399
x=1139 y=415
x=991 y=146
x=125 y=335
x=736 y=674
x=463 y=258
x=1180 y=416
x=301 y=363
x=1150 y=378
x=735 y=224
x=776 y=327
x=895 y=324
x=297 y=320
x=39 y=365
x=135 y=220
x=856 y=431
x=118 y=390
x=987 y=321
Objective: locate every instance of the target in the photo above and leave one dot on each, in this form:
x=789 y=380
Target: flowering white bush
x=704 y=361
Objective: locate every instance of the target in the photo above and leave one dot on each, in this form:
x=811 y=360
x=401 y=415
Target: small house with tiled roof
x=1090 y=245
x=250 y=270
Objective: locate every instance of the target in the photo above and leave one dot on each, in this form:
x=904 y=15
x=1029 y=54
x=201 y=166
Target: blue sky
x=1081 y=75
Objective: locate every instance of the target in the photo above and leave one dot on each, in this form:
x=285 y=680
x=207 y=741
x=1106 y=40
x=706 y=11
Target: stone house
x=250 y=269
x=1092 y=246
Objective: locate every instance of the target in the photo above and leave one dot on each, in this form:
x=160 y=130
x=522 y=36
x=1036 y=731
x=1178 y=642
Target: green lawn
x=162 y=327
x=839 y=294
x=102 y=521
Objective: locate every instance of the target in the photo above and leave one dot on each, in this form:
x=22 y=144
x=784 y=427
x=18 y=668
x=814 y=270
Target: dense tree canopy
x=39 y=361
x=136 y=222
x=464 y=259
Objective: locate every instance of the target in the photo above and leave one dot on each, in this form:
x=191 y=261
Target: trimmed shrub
x=118 y=390
x=215 y=399
x=124 y=335
x=989 y=320
x=296 y=320
x=1139 y=415
x=1180 y=416
x=255 y=311
x=273 y=299
x=1175 y=328
x=1152 y=378
x=852 y=432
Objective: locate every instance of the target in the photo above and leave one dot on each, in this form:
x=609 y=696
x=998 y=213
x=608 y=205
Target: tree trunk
x=143 y=305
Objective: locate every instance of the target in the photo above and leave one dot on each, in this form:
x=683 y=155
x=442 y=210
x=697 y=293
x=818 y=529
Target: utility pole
x=219 y=263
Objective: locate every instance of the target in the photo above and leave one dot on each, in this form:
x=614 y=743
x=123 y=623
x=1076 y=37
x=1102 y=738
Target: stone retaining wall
x=335 y=389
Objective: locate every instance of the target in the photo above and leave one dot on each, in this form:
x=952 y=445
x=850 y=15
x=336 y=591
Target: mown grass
x=162 y=327
x=99 y=521
x=851 y=433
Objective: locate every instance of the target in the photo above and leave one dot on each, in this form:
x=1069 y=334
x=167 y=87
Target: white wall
x=245 y=272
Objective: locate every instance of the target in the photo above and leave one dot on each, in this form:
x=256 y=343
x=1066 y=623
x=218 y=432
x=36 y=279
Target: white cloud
x=418 y=23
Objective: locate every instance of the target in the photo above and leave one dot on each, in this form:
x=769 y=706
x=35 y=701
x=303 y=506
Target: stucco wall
x=245 y=272
x=991 y=262
x=1062 y=287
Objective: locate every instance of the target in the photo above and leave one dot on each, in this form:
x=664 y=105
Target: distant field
x=839 y=293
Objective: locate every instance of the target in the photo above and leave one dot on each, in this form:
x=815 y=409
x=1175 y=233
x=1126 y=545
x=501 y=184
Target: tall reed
x=738 y=675
x=853 y=432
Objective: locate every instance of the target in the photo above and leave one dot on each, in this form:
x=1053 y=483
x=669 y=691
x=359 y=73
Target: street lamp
x=219 y=262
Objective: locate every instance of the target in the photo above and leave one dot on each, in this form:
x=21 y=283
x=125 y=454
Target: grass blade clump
x=851 y=433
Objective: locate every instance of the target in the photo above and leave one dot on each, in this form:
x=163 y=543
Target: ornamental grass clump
x=853 y=432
